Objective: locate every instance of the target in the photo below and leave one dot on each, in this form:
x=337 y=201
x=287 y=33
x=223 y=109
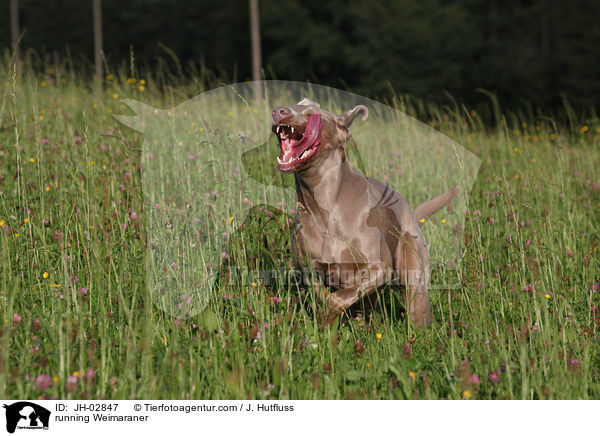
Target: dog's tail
x=425 y=210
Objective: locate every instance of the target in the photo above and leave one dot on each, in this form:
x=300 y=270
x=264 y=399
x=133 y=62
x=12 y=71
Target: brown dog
x=357 y=232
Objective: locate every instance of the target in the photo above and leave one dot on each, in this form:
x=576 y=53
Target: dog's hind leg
x=412 y=263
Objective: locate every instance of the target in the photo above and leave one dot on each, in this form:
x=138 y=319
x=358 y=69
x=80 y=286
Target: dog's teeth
x=307 y=153
x=279 y=161
x=292 y=130
x=278 y=129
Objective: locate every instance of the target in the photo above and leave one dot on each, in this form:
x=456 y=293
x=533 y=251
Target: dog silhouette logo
x=26 y=415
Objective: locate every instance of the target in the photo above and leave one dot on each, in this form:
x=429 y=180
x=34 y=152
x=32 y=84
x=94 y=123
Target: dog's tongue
x=312 y=135
x=312 y=132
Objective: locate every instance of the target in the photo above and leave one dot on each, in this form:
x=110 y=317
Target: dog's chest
x=331 y=240
x=323 y=238
x=329 y=255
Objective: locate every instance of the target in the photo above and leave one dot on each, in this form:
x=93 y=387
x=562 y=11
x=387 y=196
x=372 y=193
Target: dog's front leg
x=364 y=282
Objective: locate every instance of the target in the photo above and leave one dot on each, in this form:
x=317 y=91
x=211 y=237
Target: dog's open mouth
x=298 y=147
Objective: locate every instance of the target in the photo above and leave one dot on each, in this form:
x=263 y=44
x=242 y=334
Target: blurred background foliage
x=526 y=52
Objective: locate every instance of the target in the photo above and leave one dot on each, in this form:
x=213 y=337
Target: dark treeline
x=525 y=51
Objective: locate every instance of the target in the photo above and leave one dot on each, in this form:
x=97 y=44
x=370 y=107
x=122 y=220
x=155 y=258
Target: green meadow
x=81 y=317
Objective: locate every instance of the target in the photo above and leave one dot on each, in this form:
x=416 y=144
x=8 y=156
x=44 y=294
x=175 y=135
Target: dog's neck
x=318 y=187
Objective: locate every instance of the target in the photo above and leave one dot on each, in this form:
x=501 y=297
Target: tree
x=255 y=41
x=98 y=39
x=14 y=31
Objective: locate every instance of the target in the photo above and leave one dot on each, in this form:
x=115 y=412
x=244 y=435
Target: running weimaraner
x=356 y=231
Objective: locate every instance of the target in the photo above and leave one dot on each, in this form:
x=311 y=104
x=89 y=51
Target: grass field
x=78 y=320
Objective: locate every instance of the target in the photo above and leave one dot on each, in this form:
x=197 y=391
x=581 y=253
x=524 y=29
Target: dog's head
x=307 y=133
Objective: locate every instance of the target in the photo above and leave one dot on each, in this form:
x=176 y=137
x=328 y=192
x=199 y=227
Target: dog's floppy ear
x=307 y=102
x=347 y=117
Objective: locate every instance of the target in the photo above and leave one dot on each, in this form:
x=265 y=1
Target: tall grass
x=77 y=319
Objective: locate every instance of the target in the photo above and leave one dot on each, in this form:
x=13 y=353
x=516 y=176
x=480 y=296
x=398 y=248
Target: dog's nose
x=280 y=113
